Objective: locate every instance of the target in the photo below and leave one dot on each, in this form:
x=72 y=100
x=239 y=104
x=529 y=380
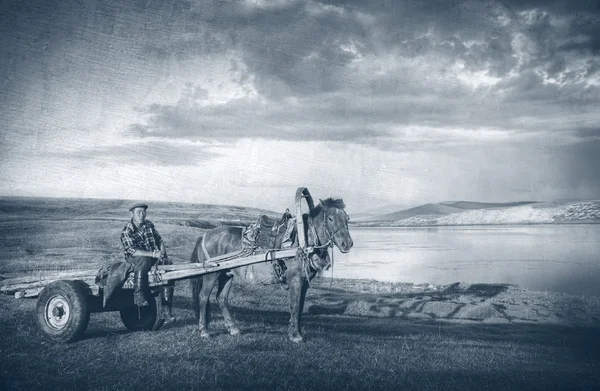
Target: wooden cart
x=66 y=300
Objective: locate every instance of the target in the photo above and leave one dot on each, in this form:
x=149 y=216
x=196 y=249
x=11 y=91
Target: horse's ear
x=322 y=203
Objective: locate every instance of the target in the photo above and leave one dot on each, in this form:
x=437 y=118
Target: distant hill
x=427 y=209
x=380 y=210
x=440 y=209
x=483 y=205
x=179 y=213
x=478 y=213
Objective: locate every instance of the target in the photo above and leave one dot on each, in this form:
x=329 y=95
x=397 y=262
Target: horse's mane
x=328 y=203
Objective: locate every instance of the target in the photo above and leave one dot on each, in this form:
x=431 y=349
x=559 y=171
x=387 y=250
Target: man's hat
x=138 y=205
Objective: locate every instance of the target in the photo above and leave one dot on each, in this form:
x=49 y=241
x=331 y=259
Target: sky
x=241 y=102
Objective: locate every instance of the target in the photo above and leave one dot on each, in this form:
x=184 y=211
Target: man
x=143 y=247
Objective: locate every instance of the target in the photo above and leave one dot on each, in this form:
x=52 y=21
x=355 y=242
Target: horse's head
x=336 y=223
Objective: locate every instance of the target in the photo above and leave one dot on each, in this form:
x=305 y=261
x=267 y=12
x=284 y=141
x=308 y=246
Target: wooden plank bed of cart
x=66 y=300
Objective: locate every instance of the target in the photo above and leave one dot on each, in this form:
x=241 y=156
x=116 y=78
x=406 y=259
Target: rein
x=330 y=243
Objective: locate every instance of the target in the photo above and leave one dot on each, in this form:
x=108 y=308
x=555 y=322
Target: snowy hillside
x=534 y=213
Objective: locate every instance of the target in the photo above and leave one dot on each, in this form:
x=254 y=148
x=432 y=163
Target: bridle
x=318 y=245
x=330 y=235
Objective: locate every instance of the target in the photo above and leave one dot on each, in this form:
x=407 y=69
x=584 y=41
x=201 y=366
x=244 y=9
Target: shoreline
x=455 y=303
x=368 y=225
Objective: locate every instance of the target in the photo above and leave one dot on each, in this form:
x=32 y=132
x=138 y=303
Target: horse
x=326 y=225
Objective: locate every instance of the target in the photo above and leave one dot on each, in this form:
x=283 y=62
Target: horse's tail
x=196 y=282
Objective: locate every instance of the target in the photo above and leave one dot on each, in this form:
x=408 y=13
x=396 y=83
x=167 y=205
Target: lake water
x=558 y=258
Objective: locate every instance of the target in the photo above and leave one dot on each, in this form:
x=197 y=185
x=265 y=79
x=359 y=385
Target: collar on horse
x=305 y=242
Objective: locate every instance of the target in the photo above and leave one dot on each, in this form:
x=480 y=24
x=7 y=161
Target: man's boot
x=140 y=286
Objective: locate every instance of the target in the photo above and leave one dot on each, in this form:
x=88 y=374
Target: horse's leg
x=208 y=282
x=295 y=281
x=225 y=281
x=167 y=303
x=303 y=291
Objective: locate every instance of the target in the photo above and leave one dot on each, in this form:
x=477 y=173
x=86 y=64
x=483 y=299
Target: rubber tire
x=147 y=320
x=73 y=293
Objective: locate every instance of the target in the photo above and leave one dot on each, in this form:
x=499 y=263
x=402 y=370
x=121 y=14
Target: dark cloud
x=151 y=153
x=582 y=17
x=589 y=133
x=353 y=69
x=556 y=6
x=302 y=50
x=298 y=49
x=367 y=118
x=247 y=119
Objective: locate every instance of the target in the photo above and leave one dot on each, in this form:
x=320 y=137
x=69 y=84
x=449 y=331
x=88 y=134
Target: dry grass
x=66 y=234
x=342 y=352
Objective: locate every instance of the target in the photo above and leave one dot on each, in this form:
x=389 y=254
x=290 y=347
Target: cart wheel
x=62 y=312
x=142 y=318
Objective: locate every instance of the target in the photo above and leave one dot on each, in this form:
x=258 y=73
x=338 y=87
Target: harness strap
x=204 y=249
x=331 y=281
x=311 y=226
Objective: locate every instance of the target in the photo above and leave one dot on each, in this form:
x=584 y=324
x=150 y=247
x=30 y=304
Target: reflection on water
x=560 y=258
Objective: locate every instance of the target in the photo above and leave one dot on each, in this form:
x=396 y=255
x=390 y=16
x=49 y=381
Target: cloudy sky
x=240 y=102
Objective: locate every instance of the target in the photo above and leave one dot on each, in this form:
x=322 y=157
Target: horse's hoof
x=204 y=334
x=234 y=331
x=296 y=338
x=170 y=319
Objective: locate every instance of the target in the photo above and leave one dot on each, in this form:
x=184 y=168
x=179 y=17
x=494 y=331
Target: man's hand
x=163 y=256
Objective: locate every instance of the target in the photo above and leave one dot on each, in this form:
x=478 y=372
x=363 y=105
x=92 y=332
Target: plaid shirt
x=145 y=238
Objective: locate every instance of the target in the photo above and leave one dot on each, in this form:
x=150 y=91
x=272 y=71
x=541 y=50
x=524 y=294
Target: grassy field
x=361 y=334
